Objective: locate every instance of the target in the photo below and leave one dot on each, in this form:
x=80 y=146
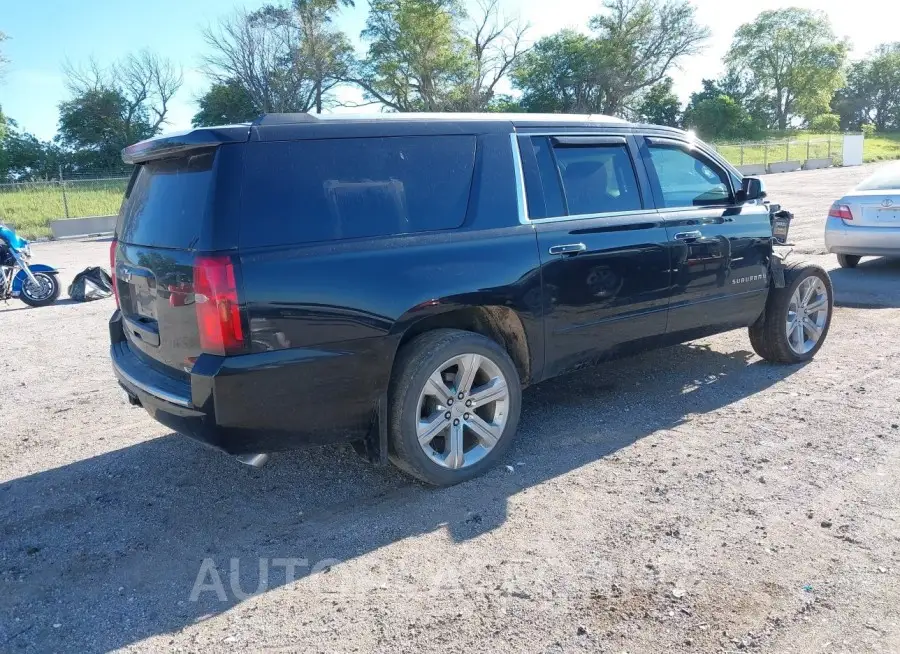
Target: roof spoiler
x=175 y=145
x=179 y=143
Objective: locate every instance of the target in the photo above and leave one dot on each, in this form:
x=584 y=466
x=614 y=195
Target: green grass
x=881 y=147
x=814 y=147
x=29 y=208
x=878 y=148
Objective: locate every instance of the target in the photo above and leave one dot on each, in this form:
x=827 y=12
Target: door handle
x=688 y=236
x=571 y=248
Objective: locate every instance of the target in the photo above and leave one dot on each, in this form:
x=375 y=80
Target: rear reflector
x=218 y=308
x=841 y=211
x=112 y=268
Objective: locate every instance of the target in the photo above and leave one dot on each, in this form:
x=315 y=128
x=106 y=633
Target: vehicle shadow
x=871 y=285
x=21 y=306
x=109 y=548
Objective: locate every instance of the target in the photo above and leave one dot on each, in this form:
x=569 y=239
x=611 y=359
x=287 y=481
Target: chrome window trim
x=521 y=200
x=588 y=216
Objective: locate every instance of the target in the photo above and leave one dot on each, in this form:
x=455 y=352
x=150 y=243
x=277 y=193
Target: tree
x=429 y=55
x=25 y=158
x=286 y=58
x=872 y=92
x=659 y=105
x=224 y=104
x=495 y=43
x=114 y=107
x=416 y=58
x=792 y=59
x=825 y=123
x=96 y=124
x=327 y=52
x=632 y=47
x=719 y=117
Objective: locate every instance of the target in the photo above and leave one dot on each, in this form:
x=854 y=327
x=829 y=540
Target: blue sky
x=45 y=34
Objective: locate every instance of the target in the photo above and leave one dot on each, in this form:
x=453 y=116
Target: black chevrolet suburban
x=394 y=281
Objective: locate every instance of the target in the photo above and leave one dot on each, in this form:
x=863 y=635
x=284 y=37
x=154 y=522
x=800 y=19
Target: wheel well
x=500 y=324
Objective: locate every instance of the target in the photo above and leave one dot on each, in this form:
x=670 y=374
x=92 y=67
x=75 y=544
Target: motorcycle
x=36 y=284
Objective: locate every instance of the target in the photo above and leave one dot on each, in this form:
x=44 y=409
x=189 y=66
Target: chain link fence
x=30 y=206
x=802 y=149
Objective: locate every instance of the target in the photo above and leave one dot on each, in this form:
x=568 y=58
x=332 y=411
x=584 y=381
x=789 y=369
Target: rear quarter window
x=327 y=190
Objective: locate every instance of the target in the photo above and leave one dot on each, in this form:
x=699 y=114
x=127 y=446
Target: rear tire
x=454 y=408
x=848 y=260
x=797 y=317
x=43 y=300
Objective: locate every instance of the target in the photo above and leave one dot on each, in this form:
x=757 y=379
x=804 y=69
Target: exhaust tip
x=254 y=460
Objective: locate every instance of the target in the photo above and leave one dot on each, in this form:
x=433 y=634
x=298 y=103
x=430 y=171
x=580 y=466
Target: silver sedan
x=866 y=221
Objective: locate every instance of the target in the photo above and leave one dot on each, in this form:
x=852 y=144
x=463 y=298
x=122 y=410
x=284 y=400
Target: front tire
x=797 y=317
x=455 y=402
x=848 y=260
x=46 y=292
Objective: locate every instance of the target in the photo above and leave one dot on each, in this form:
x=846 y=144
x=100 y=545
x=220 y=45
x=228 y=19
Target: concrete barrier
x=752 y=169
x=816 y=164
x=785 y=166
x=70 y=227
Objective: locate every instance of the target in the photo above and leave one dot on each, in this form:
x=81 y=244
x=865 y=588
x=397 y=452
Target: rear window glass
x=598 y=179
x=167 y=202
x=325 y=190
x=886 y=179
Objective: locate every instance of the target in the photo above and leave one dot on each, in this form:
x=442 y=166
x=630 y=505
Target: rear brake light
x=112 y=268
x=217 y=305
x=841 y=211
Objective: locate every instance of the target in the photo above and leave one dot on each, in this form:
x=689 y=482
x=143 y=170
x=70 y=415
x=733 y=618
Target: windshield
x=886 y=179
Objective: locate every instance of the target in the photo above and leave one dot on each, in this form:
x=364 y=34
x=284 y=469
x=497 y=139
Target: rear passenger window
x=325 y=190
x=586 y=178
x=598 y=179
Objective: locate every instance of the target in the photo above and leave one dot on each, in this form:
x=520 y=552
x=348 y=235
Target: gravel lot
x=693 y=499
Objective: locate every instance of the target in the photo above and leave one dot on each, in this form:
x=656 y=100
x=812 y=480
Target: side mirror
x=752 y=188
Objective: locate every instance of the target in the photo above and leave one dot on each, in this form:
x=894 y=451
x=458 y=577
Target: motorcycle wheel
x=45 y=293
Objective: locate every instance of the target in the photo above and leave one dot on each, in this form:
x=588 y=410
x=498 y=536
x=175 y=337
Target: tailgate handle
x=148 y=336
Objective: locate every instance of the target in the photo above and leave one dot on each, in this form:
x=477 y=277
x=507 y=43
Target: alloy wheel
x=807 y=315
x=462 y=411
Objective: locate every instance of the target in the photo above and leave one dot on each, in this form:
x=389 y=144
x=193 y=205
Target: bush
x=825 y=123
x=868 y=130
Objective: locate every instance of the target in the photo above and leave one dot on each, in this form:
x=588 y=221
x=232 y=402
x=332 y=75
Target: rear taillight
x=217 y=304
x=112 y=268
x=841 y=211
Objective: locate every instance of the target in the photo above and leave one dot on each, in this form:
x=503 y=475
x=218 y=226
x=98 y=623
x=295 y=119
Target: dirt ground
x=694 y=499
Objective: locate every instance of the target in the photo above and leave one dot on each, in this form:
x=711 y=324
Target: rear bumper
x=862 y=241
x=264 y=402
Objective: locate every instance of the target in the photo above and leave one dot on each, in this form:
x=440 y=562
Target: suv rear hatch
x=174 y=272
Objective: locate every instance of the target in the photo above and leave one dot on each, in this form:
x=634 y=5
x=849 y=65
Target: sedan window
x=886 y=179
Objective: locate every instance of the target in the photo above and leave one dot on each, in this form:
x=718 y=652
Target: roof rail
x=266 y=120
